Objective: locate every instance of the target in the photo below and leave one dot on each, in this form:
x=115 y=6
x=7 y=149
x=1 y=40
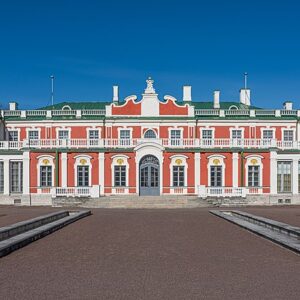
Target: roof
x=76 y=105
x=223 y=105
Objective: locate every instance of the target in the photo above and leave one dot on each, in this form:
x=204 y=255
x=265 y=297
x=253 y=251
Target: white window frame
x=210 y=163
x=88 y=163
x=28 y=130
x=58 y=129
x=114 y=163
x=259 y=163
x=40 y=163
x=18 y=130
x=288 y=129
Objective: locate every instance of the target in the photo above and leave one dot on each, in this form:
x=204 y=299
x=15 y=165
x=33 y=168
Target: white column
x=6 y=176
x=295 y=176
x=101 y=159
x=197 y=170
x=273 y=172
x=26 y=173
x=235 y=169
x=64 y=169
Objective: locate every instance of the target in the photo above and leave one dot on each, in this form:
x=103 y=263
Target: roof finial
x=149 y=89
x=245 y=80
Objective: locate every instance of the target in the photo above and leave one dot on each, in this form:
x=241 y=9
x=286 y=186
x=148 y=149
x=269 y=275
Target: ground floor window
x=216 y=176
x=284 y=177
x=16 y=176
x=45 y=176
x=253 y=176
x=178 y=175
x=1 y=177
x=83 y=176
x=120 y=176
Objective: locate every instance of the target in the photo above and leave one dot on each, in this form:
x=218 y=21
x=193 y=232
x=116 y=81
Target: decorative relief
x=216 y=162
x=46 y=162
x=83 y=161
x=120 y=161
x=178 y=161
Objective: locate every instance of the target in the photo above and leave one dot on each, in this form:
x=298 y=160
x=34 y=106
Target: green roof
x=223 y=105
x=76 y=105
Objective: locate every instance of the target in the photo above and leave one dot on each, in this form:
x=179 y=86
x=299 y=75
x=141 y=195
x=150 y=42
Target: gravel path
x=151 y=254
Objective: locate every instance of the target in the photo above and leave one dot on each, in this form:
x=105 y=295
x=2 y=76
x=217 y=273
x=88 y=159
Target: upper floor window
x=124 y=134
x=150 y=134
x=236 y=134
x=288 y=135
x=267 y=134
x=175 y=135
x=93 y=134
x=63 y=134
x=33 y=135
x=207 y=134
x=13 y=135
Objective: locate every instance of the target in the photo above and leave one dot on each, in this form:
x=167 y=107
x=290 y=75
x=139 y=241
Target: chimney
x=288 y=105
x=13 y=105
x=115 y=93
x=187 y=93
x=245 y=96
x=216 y=99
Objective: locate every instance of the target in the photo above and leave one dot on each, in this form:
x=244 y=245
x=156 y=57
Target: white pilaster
x=235 y=169
x=101 y=172
x=64 y=169
x=197 y=170
x=273 y=172
x=26 y=173
x=295 y=176
x=6 y=176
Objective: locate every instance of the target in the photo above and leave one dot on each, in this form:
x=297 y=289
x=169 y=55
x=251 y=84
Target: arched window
x=233 y=107
x=150 y=134
x=66 y=107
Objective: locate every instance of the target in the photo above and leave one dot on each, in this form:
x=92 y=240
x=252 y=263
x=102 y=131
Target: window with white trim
x=1 y=177
x=288 y=135
x=236 y=134
x=253 y=176
x=83 y=176
x=119 y=176
x=178 y=176
x=125 y=137
x=63 y=134
x=175 y=136
x=16 y=176
x=150 y=134
x=267 y=134
x=207 y=134
x=13 y=135
x=93 y=134
x=284 y=177
x=33 y=134
x=45 y=176
x=215 y=176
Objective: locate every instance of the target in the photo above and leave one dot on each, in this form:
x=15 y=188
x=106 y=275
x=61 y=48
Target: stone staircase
x=133 y=201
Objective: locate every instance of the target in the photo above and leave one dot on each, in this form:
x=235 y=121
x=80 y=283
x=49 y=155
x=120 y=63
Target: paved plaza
x=151 y=254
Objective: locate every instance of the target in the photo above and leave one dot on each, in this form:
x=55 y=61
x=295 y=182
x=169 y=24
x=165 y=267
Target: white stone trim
x=101 y=163
x=235 y=169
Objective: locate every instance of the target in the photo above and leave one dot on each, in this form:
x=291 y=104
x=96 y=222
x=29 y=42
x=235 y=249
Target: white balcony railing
x=131 y=143
x=204 y=192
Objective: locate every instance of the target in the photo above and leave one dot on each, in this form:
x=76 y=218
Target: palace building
x=150 y=146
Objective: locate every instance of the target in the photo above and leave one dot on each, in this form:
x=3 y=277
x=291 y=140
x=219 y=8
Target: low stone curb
x=277 y=232
x=11 y=244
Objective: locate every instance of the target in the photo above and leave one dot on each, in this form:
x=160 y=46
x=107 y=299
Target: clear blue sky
x=91 y=45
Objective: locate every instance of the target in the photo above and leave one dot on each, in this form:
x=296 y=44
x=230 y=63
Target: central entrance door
x=149 y=176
